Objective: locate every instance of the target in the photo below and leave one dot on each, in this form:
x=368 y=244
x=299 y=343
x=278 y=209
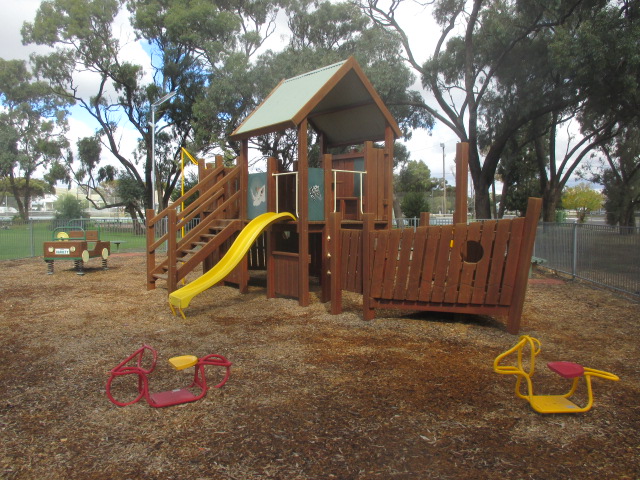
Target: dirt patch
x=311 y=395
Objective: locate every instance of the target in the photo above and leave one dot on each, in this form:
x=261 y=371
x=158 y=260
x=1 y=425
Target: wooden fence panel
x=429 y=263
x=351 y=241
x=497 y=261
x=511 y=261
x=481 y=280
x=455 y=263
x=391 y=264
x=286 y=274
x=378 y=249
x=470 y=262
x=442 y=264
x=415 y=275
x=404 y=260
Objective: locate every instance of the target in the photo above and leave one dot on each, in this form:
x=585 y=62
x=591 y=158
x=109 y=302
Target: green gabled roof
x=338 y=100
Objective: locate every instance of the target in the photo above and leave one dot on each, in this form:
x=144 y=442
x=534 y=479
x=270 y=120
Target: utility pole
x=444 y=185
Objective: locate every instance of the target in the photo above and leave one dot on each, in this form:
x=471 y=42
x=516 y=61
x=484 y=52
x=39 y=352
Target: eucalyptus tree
x=480 y=42
x=32 y=131
x=619 y=173
x=187 y=42
x=604 y=55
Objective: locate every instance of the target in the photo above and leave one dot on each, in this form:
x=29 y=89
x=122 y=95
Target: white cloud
x=15 y=13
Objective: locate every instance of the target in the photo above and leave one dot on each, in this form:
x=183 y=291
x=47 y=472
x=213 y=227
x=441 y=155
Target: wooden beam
x=462 y=176
x=303 y=215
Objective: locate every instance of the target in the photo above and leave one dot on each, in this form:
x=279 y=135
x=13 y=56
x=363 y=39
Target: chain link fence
x=605 y=255
x=20 y=239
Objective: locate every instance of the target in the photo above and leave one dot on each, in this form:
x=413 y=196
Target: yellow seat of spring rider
x=183 y=361
x=569 y=370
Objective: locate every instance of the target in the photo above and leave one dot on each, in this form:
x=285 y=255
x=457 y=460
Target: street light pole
x=444 y=185
x=154 y=106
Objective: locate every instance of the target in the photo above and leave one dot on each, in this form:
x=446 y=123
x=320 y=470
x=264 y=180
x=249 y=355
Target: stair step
x=160 y=276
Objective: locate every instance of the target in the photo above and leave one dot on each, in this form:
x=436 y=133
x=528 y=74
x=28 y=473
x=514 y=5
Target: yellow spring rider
x=569 y=370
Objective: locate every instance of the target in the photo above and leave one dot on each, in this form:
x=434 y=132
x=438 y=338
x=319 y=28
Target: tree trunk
x=22 y=210
x=505 y=191
x=483 y=202
x=627 y=215
x=549 y=203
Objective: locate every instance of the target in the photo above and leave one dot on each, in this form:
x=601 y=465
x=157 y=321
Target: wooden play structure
x=342 y=236
x=76 y=244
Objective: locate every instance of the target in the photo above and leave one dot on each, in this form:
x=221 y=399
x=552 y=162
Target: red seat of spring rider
x=567 y=369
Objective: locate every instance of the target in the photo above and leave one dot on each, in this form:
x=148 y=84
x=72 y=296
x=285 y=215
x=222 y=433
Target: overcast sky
x=419 y=26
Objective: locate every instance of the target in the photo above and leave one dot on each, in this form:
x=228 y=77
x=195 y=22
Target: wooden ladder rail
x=176 y=220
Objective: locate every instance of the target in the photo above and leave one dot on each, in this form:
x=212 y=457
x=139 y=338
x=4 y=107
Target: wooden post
x=462 y=176
x=534 y=206
x=335 y=262
x=325 y=279
x=369 y=192
x=172 y=233
x=367 y=228
x=272 y=167
x=327 y=164
x=389 y=139
x=244 y=178
x=243 y=163
x=151 y=254
x=425 y=219
x=303 y=217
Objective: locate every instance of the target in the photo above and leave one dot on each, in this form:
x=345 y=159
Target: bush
x=413 y=203
x=69 y=207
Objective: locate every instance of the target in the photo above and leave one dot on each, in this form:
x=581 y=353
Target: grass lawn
x=25 y=239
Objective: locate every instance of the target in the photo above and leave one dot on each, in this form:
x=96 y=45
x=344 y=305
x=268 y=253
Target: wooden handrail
x=206 y=223
x=197 y=187
x=212 y=194
x=216 y=190
x=177 y=220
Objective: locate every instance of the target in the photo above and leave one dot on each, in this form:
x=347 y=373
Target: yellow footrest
x=183 y=361
x=553 y=404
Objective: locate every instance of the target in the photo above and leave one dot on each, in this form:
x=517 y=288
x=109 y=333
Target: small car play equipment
x=135 y=365
x=77 y=244
x=569 y=370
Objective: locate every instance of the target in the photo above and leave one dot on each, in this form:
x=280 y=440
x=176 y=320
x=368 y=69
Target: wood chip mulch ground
x=311 y=395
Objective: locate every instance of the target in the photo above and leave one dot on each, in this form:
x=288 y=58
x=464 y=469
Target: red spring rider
x=135 y=365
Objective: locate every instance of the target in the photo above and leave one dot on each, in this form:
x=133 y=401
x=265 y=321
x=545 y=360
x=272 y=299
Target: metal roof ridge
x=313 y=72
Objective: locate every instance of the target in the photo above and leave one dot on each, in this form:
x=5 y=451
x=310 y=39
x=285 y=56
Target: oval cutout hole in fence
x=472 y=252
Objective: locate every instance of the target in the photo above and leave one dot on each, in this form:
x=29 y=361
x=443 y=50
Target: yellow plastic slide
x=182 y=297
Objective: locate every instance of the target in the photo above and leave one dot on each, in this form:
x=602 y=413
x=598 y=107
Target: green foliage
x=34 y=188
x=190 y=181
x=620 y=177
x=413 y=203
x=68 y=207
x=414 y=176
x=583 y=199
x=32 y=129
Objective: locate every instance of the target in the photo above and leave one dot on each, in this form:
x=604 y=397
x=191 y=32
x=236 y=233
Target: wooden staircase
x=213 y=217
